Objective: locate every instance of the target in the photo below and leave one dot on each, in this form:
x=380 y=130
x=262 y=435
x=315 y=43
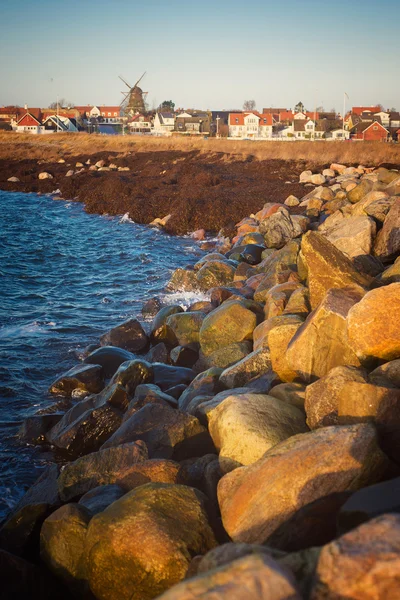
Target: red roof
x=238 y=118
x=358 y=110
x=111 y=109
x=28 y=120
x=312 y=115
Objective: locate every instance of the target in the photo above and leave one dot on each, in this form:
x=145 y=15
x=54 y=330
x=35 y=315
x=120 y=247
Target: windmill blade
x=127 y=84
x=139 y=80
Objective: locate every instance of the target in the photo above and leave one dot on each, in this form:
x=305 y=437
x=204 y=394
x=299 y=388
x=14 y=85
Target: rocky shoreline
x=247 y=447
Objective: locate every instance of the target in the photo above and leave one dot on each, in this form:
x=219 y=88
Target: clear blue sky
x=212 y=54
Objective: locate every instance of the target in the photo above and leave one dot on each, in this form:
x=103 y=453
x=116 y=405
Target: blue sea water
x=66 y=277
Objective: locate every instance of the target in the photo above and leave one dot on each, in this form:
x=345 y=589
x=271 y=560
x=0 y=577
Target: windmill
x=134 y=100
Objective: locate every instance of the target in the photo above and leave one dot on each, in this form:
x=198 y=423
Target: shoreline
x=264 y=388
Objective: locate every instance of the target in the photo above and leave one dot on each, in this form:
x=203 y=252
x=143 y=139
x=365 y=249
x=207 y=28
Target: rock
x=214 y=273
x=183 y=280
x=387 y=243
x=328 y=173
x=322 y=397
x=317 y=179
x=211 y=257
x=198 y=235
x=148 y=393
x=363 y=563
x=99 y=164
x=167 y=433
x=227 y=553
x=158 y=353
x=277 y=297
x=305 y=176
x=298 y=303
x=392 y=273
x=35 y=428
x=244 y=427
x=368 y=265
x=322 y=343
x=129 y=335
x=261 y=332
x=259 y=503
x=228 y=355
x=113 y=395
x=229 y=323
x=153 y=530
x=361 y=190
x=186 y=326
x=255 y=577
x=291 y=393
x=254 y=364
x=387 y=374
x=279 y=229
x=161 y=222
x=184 y=356
x=206 y=383
x=99 y=498
x=89 y=378
x=353 y=236
x=279 y=338
x=111 y=465
x=338 y=168
x=160 y=332
x=328 y=268
x=292 y=201
x=110 y=358
x=45 y=175
x=151 y=307
x=69 y=173
x=19 y=532
x=251 y=253
x=13 y=179
x=132 y=373
x=202 y=305
x=373 y=326
x=168 y=376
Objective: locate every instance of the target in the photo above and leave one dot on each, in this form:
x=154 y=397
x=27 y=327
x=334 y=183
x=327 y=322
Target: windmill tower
x=134 y=100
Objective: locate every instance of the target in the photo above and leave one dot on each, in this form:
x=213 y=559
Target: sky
x=213 y=54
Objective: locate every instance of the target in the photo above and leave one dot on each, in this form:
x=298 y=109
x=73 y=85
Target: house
x=139 y=124
x=252 y=125
x=29 y=124
x=164 y=123
x=358 y=110
x=394 y=119
x=285 y=116
x=53 y=123
x=195 y=123
x=366 y=131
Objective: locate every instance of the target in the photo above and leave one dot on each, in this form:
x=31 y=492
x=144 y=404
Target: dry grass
x=15 y=146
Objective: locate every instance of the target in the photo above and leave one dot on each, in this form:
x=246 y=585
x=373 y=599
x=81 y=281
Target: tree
x=167 y=105
x=320 y=109
x=62 y=103
x=249 y=105
x=299 y=108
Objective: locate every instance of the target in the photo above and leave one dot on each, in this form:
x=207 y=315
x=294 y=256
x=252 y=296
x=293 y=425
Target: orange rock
x=268 y=210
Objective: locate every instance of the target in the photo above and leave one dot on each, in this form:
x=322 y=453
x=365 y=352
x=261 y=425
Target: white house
x=251 y=125
x=164 y=123
x=29 y=124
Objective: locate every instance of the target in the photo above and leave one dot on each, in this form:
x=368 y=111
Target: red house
x=358 y=110
x=370 y=132
x=29 y=124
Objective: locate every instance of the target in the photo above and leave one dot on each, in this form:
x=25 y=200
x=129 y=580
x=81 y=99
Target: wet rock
x=158 y=353
x=322 y=343
x=19 y=533
x=226 y=356
x=154 y=529
x=353 y=236
x=215 y=273
x=229 y=323
x=387 y=243
x=88 y=378
x=373 y=326
x=254 y=364
x=210 y=257
x=363 y=563
x=115 y=396
x=183 y=280
x=256 y=576
x=167 y=433
x=205 y=384
x=110 y=358
x=129 y=335
x=322 y=397
x=160 y=332
x=279 y=229
x=184 y=356
x=62 y=540
x=148 y=394
x=186 y=326
x=244 y=427
x=111 y=465
x=168 y=376
x=328 y=268
x=35 y=428
x=291 y=393
x=251 y=253
x=132 y=373
x=151 y=307
x=99 y=498
x=259 y=503
x=203 y=306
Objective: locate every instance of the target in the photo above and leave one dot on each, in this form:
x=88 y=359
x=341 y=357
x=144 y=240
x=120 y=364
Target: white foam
x=184 y=298
x=126 y=219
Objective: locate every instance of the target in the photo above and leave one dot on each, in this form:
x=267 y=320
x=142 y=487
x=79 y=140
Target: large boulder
x=231 y=322
x=109 y=357
x=279 y=338
x=226 y=356
x=148 y=538
x=374 y=326
x=160 y=332
x=321 y=343
x=186 y=326
x=279 y=229
x=243 y=427
x=254 y=577
x=353 y=236
x=62 y=542
x=167 y=433
x=328 y=267
x=129 y=335
x=363 y=563
x=262 y=503
x=254 y=364
x=322 y=396
x=111 y=465
x=88 y=378
x=215 y=273
x=97 y=499
x=169 y=376
x=183 y=280
x=361 y=190
x=387 y=243
x=132 y=373
x=205 y=384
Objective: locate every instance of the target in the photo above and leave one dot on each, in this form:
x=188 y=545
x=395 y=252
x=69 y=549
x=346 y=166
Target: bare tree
x=62 y=103
x=249 y=105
